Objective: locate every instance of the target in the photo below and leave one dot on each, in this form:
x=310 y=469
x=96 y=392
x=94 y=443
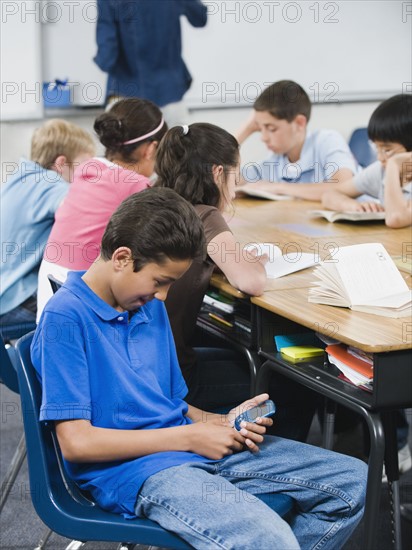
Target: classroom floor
x=21 y=529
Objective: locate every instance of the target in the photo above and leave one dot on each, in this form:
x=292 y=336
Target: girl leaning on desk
x=201 y=162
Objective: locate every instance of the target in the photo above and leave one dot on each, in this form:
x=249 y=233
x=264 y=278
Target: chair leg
x=44 y=539
x=12 y=471
x=9 y=478
x=75 y=545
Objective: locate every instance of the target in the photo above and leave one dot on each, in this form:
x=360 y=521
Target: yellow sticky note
x=301 y=352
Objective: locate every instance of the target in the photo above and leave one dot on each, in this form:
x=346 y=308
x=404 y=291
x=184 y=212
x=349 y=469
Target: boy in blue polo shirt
x=281 y=114
x=111 y=382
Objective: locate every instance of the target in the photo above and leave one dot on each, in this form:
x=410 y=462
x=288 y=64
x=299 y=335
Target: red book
x=341 y=354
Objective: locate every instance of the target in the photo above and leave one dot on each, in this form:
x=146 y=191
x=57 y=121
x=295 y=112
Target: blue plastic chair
x=362 y=148
x=60 y=504
x=54 y=283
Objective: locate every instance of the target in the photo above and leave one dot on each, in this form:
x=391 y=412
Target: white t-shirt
x=371 y=182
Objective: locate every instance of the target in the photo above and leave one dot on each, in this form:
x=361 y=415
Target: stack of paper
x=356 y=370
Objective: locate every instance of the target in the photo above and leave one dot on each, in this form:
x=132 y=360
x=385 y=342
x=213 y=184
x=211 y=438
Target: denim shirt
x=140 y=47
x=29 y=200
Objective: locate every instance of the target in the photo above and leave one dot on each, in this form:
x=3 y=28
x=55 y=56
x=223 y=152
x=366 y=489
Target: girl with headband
x=130 y=131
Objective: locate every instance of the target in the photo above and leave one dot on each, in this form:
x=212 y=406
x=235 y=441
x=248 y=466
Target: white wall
x=21 y=61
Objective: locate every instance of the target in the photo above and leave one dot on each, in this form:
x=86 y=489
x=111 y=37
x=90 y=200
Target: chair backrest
x=54 y=283
x=44 y=456
x=8 y=374
x=361 y=147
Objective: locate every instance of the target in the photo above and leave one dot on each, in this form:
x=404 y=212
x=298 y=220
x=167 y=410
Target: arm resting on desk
x=243 y=271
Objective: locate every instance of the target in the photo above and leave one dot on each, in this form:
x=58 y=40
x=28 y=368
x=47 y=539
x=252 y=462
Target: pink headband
x=146 y=135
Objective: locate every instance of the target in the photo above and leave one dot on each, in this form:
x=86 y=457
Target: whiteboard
x=69 y=45
x=338 y=51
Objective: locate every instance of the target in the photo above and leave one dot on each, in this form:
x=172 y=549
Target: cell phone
x=267 y=408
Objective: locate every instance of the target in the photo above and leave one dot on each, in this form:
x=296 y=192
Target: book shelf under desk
x=232 y=335
x=242 y=340
x=392 y=371
x=392 y=389
x=392 y=380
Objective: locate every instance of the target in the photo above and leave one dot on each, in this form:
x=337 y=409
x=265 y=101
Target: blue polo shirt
x=29 y=200
x=96 y=364
x=323 y=153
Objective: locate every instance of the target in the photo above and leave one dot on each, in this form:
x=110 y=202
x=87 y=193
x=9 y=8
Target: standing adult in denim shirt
x=140 y=47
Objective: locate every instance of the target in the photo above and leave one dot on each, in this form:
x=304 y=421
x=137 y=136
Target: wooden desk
x=288 y=224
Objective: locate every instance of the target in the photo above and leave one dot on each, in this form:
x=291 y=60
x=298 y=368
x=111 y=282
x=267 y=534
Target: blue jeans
x=213 y=505
x=19 y=320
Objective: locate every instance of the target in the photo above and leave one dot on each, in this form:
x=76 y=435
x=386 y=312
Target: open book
x=261 y=194
x=364 y=278
x=332 y=216
x=280 y=265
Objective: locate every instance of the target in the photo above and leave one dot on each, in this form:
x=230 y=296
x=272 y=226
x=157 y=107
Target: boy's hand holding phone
x=249 y=417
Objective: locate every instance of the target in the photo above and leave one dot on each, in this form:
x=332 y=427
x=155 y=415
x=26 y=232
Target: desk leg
x=377 y=446
x=392 y=472
x=253 y=361
x=373 y=490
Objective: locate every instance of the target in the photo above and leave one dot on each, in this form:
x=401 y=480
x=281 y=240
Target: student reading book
x=301 y=162
x=389 y=179
x=364 y=278
x=201 y=163
x=130 y=132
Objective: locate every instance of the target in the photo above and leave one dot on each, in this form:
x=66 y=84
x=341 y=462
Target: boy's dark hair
x=284 y=100
x=184 y=162
x=128 y=119
x=391 y=121
x=155 y=224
